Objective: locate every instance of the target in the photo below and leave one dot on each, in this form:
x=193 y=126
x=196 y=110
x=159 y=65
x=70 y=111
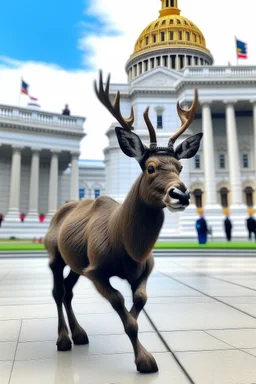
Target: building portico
x=36 y=148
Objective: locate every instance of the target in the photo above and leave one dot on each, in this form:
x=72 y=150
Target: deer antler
x=114 y=109
x=151 y=130
x=186 y=117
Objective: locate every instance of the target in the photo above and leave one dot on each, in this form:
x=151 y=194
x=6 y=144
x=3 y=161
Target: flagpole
x=20 y=89
x=236 y=52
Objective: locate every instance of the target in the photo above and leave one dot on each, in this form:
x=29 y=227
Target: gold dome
x=170 y=30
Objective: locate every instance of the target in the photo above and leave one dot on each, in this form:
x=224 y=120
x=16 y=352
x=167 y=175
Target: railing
x=220 y=71
x=39 y=118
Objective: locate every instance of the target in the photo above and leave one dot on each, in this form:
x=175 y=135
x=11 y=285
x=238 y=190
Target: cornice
x=57 y=132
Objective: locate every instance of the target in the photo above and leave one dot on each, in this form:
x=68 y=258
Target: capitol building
x=39 y=151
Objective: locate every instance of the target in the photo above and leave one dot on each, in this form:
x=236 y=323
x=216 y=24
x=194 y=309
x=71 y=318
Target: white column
x=34 y=186
x=169 y=62
x=74 y=177
x=254 y=137
x=209 y=158
x=53 y=184
x=14 y=202
x=177 y=63
x=233 y=157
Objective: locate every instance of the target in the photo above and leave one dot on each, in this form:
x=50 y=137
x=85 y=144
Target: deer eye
x=151 y=169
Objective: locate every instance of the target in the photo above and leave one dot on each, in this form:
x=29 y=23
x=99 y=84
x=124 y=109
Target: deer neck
x=138 y=224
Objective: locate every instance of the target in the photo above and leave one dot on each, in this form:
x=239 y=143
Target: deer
x=101 y=238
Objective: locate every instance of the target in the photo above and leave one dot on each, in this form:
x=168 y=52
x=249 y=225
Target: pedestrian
x=66 y=111
x=251 y=226
x=202 y=230
x=228 y=228
x=1 y=219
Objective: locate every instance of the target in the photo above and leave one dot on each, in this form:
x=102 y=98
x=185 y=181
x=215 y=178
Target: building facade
x=36 y=149
x=39 y=166
x=169 y=61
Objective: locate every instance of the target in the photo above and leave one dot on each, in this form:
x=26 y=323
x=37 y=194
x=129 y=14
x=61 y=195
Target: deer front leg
x=144 y=360
x=139 y=289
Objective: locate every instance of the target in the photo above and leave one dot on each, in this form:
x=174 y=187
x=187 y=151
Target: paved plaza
x=199 y=322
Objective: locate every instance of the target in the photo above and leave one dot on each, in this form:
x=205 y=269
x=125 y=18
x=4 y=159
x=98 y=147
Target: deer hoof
x=80 y=337
x=147 y=364
x=64 y=343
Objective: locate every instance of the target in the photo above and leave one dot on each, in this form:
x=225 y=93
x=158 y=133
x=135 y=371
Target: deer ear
x=130 y=143
x=189 y=147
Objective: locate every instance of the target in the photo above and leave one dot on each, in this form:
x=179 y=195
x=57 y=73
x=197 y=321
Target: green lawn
x=21 y=247
x=209 y=245
x=165 y=245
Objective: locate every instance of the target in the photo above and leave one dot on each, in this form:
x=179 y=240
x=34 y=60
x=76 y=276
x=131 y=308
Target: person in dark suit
x=251 y=226
x=66 y=111
x=228 y=228
x=202 y=230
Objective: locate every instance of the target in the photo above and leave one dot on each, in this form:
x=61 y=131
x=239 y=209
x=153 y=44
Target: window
x=163 y=22
x=146 y=40
x=172 y=3
x=154 y=38
x=180 y=35
x=171 y=21
x=224 y=197
x=159 y=121
x=197 y=162
x=96 y=193
x=249 y=196
x=222 y=161
x=158 y=60
x=178 y=21
x=152 y=62
x=171 y=35
x=198 y=198
x=165 y=59
x=162 y=36
x=167 y=3
x=146 y=65
x=188 y=36
x=81 y=193
x=194 y=37
x=245 y=161
x=185 y=22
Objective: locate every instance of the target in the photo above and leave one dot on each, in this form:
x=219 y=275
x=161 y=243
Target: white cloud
x=219 y=21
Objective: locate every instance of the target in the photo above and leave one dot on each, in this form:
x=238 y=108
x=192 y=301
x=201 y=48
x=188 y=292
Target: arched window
x=224 y=197
x=249 y=196
x=198 y=198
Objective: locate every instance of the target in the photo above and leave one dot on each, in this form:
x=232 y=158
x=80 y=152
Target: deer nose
x=183 y=197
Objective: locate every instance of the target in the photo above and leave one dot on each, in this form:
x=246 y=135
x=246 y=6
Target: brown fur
x=100 y=239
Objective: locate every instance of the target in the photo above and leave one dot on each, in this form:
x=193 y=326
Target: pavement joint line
x=168 y=348
x=212 y=297
x=230 y=282
x=15 y=353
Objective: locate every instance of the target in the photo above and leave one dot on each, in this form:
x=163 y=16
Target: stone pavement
x=199 y=322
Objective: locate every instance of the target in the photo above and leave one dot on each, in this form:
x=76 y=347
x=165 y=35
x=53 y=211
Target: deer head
x=160 y=184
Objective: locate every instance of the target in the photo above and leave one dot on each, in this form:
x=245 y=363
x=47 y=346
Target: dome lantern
x=169 y=7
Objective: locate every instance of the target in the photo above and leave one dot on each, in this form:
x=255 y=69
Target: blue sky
x=48 y=31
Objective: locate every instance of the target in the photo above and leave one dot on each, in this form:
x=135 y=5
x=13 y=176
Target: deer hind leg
x=57 y=266
x=139 y=290
x=144 y=361
x=79 y=335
